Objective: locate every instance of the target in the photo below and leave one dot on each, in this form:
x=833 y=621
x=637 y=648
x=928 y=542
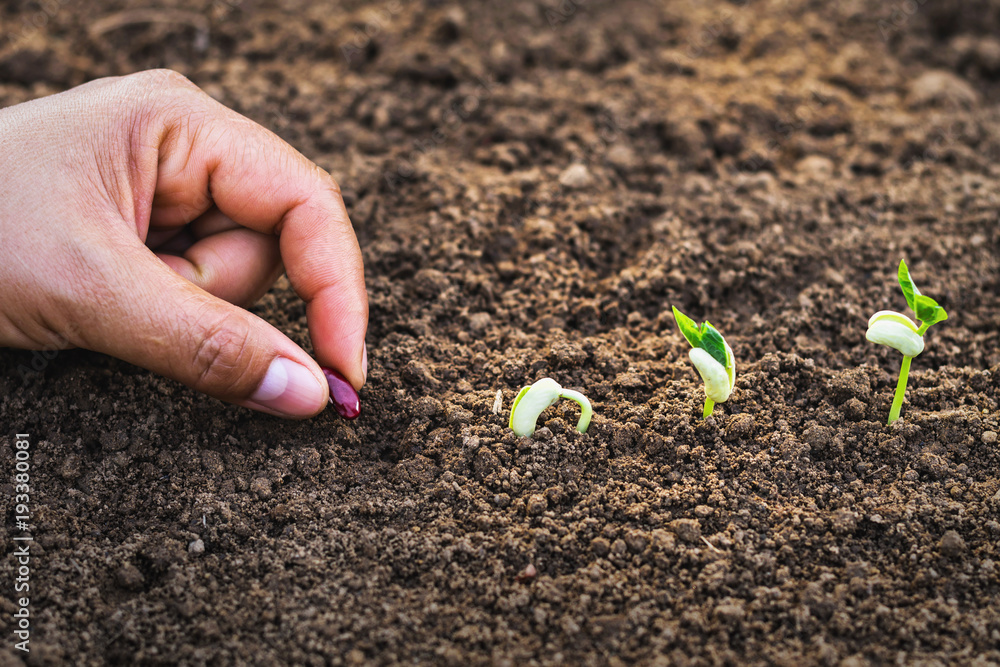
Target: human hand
x=137 y=215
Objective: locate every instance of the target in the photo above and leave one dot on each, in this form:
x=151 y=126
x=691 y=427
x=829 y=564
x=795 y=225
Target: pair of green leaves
x=705 y=337
x=927 y=309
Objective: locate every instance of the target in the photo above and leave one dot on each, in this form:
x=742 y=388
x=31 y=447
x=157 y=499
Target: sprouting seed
x=712 y=356
x=532 y=400
x=899 y=332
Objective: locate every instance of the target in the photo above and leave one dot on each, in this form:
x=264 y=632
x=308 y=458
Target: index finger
x=208 y=153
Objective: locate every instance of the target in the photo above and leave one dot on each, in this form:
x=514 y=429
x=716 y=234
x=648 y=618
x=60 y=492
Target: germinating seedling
x=531 y=401
x=712 y=356
x=899 y=332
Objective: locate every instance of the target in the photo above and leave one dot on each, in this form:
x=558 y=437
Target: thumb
x=154 y=318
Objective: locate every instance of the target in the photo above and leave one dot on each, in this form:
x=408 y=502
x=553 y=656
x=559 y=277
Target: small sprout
x=899 y=332
x=342 y=395
x=712 y=356
x=531 y=401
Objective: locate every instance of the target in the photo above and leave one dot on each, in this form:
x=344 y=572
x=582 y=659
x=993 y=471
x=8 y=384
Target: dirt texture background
x=533 y=185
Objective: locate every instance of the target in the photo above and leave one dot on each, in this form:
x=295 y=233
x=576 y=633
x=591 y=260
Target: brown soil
x=764 y=165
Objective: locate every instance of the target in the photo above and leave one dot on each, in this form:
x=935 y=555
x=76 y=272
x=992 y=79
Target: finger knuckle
x=165 y=78
x=333 y=187
x=326 y=183
x=154 y=94
x=222 y=355
x=158 y=89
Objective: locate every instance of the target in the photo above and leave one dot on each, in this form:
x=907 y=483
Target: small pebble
x=261 y=487
x=952 y=544
x=688 y=530
x=600 y=546
x=576 y=176
x=941 y=87
x=129 y=577
x=537 y=504
x=815 y=167
x=197 y=547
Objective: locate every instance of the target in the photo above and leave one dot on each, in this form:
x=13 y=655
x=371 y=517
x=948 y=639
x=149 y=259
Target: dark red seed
x=345 y=400
x=527 y=574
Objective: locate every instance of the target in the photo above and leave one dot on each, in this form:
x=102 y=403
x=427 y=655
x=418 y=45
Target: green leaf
x=687 y=327
x=713 y=343
x=910 y=291
x=705 y=337
x=928 y=311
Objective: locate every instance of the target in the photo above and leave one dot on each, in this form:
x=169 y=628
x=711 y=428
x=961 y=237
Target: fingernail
x=289 y=388
x=364 y=362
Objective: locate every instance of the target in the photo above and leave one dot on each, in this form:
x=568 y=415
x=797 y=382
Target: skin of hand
x=137 y=215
